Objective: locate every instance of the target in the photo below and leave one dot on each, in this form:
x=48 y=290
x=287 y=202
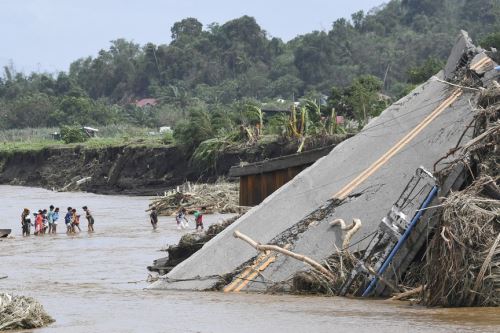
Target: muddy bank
x=138 y=170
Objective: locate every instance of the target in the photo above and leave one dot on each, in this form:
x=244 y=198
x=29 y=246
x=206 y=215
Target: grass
x=36 y=139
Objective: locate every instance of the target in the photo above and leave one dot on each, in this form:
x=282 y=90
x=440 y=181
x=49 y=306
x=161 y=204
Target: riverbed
x=95 y=282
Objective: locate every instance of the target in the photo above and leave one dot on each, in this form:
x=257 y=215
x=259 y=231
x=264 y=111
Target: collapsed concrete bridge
x=364 y=175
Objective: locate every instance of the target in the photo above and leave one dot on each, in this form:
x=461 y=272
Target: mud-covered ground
x=133 y=170
x=95 y=283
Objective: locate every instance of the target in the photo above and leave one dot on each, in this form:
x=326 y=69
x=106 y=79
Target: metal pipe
x=402 y=240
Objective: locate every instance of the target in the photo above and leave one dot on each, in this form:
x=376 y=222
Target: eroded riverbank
x=95 y=283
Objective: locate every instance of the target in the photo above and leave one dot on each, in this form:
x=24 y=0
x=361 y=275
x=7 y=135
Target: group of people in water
x=45 y=221
x=180 y=218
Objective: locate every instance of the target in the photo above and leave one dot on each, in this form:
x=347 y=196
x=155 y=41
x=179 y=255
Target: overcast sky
x=47 y=35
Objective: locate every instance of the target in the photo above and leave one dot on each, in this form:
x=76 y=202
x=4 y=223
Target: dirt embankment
x=138 y=170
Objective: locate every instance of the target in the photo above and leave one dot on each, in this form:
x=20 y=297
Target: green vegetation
x=30 y=139
x=73 y=134
x=215 y=82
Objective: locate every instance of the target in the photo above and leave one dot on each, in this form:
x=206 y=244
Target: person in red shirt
x=39 y=223
x=75 y=220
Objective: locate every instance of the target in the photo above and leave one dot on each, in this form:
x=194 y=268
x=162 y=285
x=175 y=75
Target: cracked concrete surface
x=280 y=215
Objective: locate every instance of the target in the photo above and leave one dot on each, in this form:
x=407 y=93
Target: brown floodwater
x=95 y=282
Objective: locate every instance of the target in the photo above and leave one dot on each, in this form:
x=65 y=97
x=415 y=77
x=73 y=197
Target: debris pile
x=189 y=244
x=21 y=312
x=461 y=264
x=463 y=258
x=220 y=197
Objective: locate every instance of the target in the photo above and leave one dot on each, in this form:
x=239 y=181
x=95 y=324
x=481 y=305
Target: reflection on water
x=94 y=282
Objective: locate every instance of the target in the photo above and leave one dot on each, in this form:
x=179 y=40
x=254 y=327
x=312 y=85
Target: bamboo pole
x=407 y=293
x=314 y=264
x=484 y=267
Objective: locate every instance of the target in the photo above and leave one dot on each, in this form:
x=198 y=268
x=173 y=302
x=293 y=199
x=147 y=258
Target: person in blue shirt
x=50 y=218
x=67 y=220
x=55 y=217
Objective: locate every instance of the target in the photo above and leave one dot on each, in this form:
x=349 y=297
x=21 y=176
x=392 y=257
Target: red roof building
x=146 y=102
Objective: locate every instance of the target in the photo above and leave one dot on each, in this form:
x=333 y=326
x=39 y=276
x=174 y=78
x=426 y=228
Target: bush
x=188 y=134
x=167 y=138
x=73 y=134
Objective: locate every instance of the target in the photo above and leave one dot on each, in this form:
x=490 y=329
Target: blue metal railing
x=402 y=240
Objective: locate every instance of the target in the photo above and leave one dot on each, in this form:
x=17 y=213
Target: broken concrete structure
x=364 y=175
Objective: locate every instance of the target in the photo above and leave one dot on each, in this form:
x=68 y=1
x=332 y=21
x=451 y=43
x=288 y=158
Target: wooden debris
x=20 y=312
x=407 y=294
x=314 y=264
x=220 y=197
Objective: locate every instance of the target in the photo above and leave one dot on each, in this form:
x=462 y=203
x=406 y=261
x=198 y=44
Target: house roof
x=146 y=101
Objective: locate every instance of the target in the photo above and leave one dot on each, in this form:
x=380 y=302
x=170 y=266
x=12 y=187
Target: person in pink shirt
x=39 y=223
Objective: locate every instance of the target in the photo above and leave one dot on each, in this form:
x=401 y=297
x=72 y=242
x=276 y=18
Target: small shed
x=258 y=180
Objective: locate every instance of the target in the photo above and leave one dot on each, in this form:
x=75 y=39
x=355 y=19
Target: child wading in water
x=199 y=219
x=153 y=217
x=75 y=220
x=26 y=222
x=39 y=223
x=180 y=218
x=45 y=221
x=90 y=219
x=50 y=218
x=55 y=217
x=67 y=220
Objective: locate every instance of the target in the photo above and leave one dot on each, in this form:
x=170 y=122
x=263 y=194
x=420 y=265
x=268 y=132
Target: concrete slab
x=463 y=45
x=369 y=169
x=379 y=192
x=481 y=63
x=315 y=185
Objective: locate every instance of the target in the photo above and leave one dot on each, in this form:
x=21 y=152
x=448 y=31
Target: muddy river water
x=95 y=282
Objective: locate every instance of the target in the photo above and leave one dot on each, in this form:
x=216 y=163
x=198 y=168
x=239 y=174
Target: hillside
x=218 y=67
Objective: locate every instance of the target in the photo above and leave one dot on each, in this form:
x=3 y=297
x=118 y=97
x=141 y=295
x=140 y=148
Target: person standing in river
x=75 y=220
x=26 y=222
x=153 y=217
x=67 y=220
x=90 y=219
x=55 y=217
x=180 y=218
x=198 y=217
x=45 y=225
x=50 y=218
x=39 y=222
